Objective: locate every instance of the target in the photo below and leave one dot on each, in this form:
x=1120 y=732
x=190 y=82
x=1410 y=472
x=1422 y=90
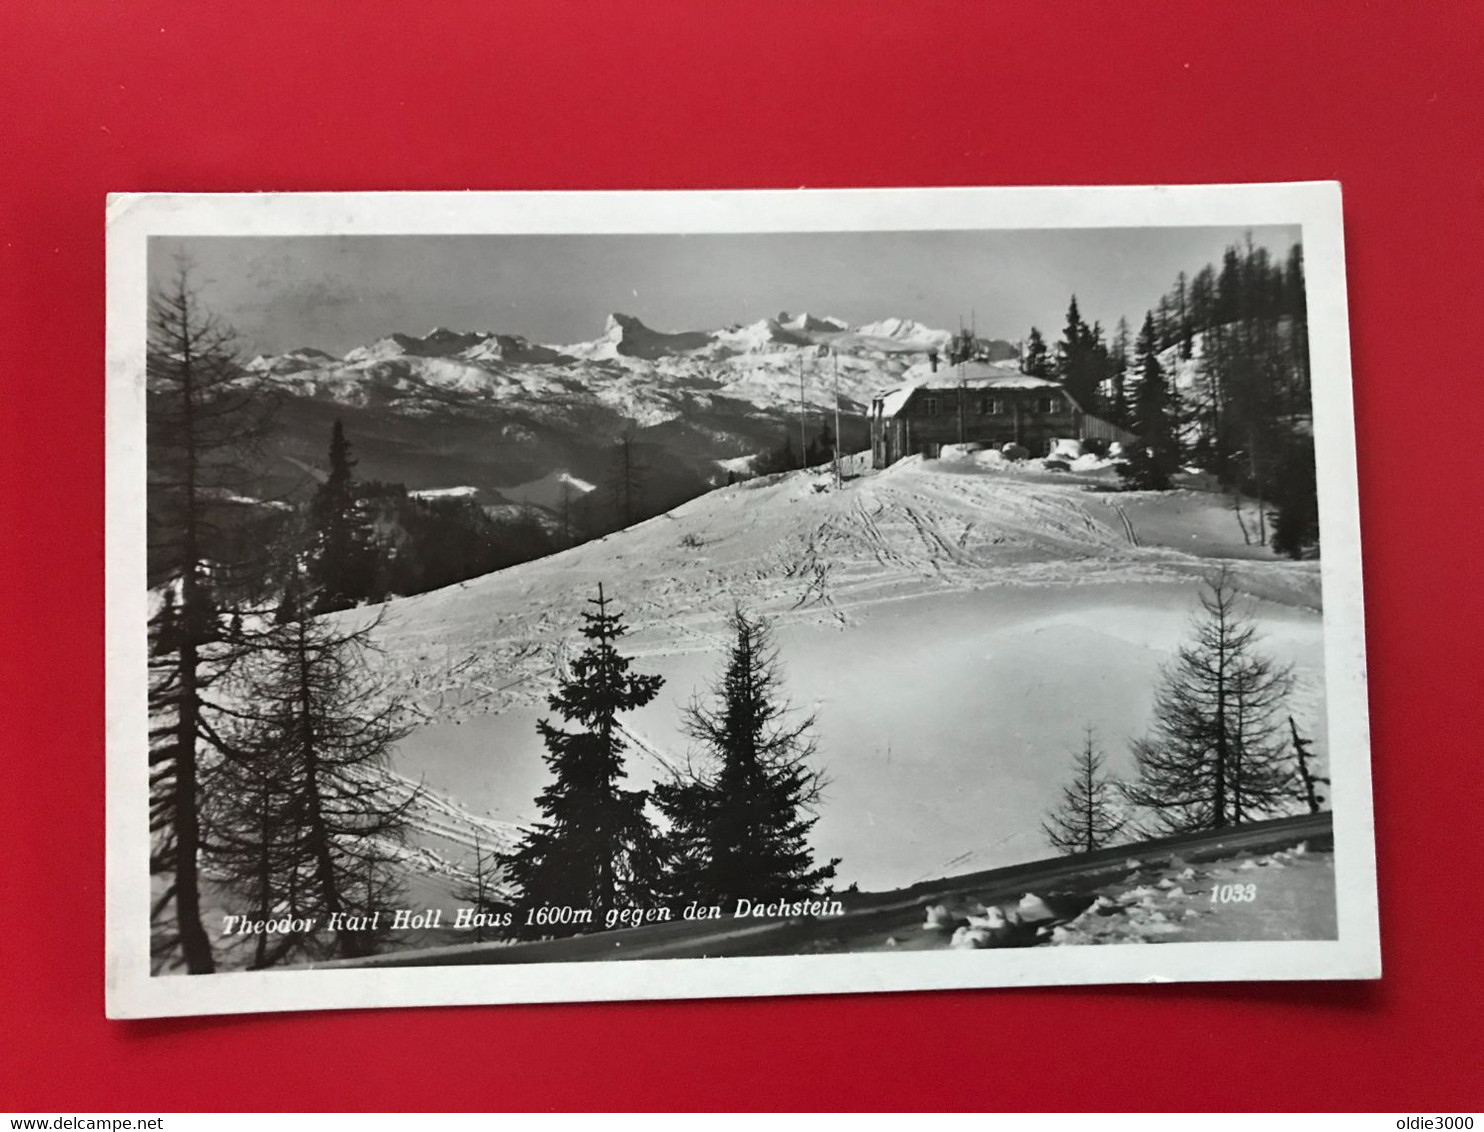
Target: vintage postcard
x=522 y=597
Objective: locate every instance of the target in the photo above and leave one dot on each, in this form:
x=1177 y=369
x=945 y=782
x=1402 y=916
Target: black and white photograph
x=529 y=597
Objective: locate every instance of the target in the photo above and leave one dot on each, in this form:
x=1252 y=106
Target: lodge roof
x=971 y=375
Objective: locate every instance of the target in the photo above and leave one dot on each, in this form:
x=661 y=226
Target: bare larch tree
x=1216 y=755
x=206 y=419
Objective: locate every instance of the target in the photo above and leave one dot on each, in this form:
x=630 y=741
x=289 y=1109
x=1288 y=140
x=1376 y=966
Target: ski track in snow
x=806 y=555
x=789 y=551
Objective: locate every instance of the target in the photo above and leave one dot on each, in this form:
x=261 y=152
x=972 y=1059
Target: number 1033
x=1234 y=894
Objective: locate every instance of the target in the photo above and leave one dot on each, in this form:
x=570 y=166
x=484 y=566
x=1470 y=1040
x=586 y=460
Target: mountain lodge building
x=990 y=403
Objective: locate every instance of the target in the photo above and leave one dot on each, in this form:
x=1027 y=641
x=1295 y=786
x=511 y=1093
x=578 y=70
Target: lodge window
x=930 y=406
x=1046 y=405
x=991 y=407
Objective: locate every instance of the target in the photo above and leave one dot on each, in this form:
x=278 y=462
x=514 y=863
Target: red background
x=200 y=95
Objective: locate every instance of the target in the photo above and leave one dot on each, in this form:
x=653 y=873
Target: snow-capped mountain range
x=495 y=409
x=645 y=374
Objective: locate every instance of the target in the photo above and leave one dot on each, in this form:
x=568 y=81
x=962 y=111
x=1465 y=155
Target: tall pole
x=836 y=358
x=803 y=440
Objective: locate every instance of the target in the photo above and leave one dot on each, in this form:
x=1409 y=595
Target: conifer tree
x=595 y=848
x=307 y=820
x=1216 y=755
x=1037 y=356
x=1077 y=365
x=1184 y=331
x=1155 y=455
x=1295 y=499
x=342 y=559
x=206 y=419
x=1164 y=324
x=1088 y=818
x=740 y=823
x=1296 y=309
x=1099 y=362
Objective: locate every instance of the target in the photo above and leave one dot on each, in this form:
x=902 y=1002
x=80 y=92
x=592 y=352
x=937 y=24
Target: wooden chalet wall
x=933 y=417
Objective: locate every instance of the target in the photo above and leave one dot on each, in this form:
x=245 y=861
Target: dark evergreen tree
x=342 y=558
x=1155 y=455
x=740 y=816
x=1077 y=361
x=1216 y=755
x=1164 y=324
x=1295 y=498
x=1089 y=816
x=306 y=821
x=595 y=848
x=1296 y=311
x=206 y=419
x=1183 y=332
x=1201 y=301
x=1037 y=361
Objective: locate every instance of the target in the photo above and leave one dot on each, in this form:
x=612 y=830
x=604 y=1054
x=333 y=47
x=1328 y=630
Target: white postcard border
x=132 y=992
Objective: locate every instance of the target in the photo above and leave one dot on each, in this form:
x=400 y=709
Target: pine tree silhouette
x=1037 y=361
x=1077 y=363
x=1088 y=817
x=1295 y=496
x=342 y=559
x=1155 y=455
x=740 y=824
x=595 y=848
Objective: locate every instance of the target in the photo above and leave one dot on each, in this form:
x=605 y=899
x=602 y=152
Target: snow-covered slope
x=955 y=626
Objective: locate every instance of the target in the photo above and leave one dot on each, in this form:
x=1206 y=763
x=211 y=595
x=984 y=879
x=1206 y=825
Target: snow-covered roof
x=973 y=375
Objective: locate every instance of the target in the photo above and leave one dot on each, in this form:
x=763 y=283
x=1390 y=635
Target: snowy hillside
x=1032 y=604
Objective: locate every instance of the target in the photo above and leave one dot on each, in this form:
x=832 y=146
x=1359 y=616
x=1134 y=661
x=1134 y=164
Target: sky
x=339 y=292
